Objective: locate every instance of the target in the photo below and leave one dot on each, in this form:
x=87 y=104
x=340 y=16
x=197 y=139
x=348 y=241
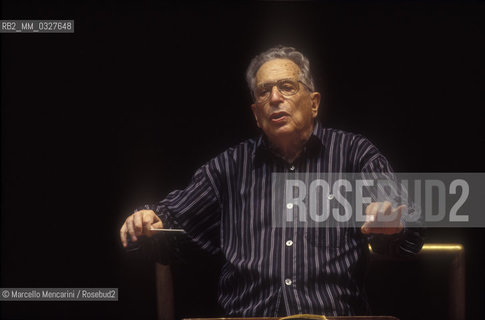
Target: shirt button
x=289 y=205
x=288 y=282
x=289 y=243
x=292 y=168
x=330 y=196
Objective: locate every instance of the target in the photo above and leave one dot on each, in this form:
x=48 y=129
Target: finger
x=138 y=222
x=157 y=225
x=123 y=235
x=131 y=228
x=147 y=224
x=371 y=223
x=384 y=212
x=365 y=228
x=390 y=214
x=156 y=222
x=371 y=208
x=392 y=224
x=371 y=211
x=385 y=208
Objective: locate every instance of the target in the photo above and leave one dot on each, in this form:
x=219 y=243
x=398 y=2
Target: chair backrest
x=164 y=289
x=188 y=287
x=430 y=285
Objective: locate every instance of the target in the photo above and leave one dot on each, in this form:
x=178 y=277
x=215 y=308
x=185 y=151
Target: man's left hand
x=382 y=218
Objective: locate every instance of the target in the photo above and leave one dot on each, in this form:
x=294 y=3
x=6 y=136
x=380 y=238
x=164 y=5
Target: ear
x=315 y=97
x=255 y=113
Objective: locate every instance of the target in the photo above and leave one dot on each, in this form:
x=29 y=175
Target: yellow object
x=305 y=316
x=437 y=247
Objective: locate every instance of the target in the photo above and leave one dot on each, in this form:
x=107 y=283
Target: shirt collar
x=312 y=147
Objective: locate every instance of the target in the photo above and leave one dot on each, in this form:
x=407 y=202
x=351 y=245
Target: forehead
x=277 y=69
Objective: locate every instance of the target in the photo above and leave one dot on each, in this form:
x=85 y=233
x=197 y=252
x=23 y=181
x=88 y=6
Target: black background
x=124 y=110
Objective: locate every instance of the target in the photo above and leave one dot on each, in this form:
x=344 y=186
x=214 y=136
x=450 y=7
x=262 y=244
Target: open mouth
x=278 y=116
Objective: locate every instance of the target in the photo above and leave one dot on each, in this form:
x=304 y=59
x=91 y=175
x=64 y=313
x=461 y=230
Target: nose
x=276 y=96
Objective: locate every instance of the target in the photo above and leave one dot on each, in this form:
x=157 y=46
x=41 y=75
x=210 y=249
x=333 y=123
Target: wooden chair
x=442 y=264
x=428 y=285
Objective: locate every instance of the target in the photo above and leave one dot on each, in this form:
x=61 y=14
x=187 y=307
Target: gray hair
x=280 y=52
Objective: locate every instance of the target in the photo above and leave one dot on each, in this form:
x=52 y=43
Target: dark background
x=124 y=110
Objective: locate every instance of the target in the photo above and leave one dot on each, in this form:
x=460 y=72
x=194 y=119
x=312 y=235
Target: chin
x=284 y=130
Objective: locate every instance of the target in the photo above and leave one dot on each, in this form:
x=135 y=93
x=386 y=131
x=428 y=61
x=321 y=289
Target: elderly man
x=271 y=271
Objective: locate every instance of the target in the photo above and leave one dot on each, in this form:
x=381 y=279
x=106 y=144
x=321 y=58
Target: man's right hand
x=138 y=224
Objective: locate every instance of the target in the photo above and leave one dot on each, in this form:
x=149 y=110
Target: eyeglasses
x=287 y=87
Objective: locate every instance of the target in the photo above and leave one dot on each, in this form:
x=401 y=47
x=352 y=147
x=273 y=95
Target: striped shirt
x=272 y=271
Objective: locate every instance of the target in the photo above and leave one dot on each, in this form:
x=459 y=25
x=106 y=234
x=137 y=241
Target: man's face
x=282 y=116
